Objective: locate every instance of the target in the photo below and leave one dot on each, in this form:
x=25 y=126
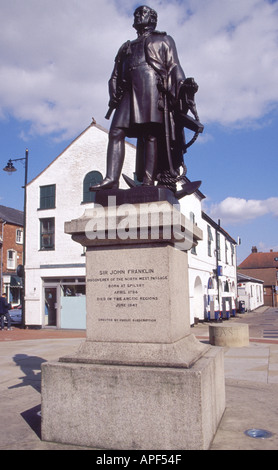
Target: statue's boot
x=150 y=161
x=115 y=160
x=107 y=183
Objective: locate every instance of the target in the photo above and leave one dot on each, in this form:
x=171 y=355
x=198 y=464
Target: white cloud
x=237 y=210
x=57 y=56
x=262 y=246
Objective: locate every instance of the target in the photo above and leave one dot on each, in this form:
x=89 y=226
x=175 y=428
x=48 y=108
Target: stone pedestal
x=141 y=380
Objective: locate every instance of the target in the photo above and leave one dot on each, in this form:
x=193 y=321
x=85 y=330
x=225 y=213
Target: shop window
x=74 y=290
x=15 y=295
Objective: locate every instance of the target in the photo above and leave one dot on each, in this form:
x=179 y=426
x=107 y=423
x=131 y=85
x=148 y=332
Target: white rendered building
x=55 y=265
x=250 y=292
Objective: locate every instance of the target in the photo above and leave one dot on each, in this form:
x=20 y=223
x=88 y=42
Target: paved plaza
x=251 y=375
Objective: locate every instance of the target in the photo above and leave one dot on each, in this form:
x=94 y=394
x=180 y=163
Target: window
x=210 y=239
x=11 y=259
x=47 y=234
x=47 y=196
x=210 y=283
x=19 y=236
x=226 y=252
x=74 y=290
x=94 y=177
x=232 y=254
x=218 y=245
x=192 y=219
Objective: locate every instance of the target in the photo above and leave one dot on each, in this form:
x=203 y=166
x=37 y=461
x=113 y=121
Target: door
x=198 y=300
x=50 y=296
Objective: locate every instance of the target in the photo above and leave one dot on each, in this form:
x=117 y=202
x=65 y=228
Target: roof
x=101 y=128
x=244 y=278
x=261 y=260
x=12 y=216
x=218 y=227
x=93 y=124
x=267 y=274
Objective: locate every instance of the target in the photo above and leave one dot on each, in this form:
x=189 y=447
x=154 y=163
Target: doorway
x=198 y=300
x=50 y=309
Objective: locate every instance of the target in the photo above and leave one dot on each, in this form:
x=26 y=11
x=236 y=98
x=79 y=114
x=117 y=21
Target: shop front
x=64 y=302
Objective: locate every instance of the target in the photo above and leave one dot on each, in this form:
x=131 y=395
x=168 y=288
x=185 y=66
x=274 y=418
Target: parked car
x=16 y=315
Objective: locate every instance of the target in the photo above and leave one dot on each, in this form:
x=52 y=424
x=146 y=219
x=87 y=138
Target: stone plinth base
x=183 y=353
x=233 y=336
x=141 y=380
x=132 y=407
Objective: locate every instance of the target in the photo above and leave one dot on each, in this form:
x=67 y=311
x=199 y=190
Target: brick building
x=263 y=266
x=11 y=245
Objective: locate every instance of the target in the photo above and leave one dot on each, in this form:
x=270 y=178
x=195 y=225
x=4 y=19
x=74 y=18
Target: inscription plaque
x=130 y=298
x=130 y=289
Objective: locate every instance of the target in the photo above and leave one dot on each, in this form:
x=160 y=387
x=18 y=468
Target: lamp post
x=9 y=168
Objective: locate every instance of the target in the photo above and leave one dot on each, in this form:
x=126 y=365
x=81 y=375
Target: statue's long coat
x=140 y=66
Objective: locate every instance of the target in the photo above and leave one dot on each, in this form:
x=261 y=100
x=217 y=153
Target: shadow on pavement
x=33 y=419
x=31 y=367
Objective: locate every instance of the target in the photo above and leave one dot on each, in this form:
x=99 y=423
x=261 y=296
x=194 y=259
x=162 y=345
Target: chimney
x=254 y=249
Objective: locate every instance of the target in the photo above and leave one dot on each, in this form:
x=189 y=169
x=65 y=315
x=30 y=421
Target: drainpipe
x=217 y=265
x=3 y=224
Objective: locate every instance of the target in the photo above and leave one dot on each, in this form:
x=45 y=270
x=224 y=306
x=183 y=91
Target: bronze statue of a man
x=144 y=91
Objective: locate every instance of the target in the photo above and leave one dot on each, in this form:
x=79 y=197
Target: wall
x=8 y=231
x=270 y=297
x=9 y=243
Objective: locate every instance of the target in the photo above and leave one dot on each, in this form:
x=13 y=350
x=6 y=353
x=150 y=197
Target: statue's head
x=144 y=17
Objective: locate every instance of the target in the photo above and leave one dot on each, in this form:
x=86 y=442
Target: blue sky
x=56 y=59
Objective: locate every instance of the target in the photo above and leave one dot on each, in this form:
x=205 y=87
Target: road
x=263 y=323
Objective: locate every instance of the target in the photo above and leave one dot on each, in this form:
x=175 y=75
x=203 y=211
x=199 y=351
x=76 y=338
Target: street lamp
x=9 y=168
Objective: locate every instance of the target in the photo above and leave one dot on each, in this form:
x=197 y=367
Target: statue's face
x=142 y=17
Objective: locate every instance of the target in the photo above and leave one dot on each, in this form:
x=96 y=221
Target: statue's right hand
x=113 y=103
